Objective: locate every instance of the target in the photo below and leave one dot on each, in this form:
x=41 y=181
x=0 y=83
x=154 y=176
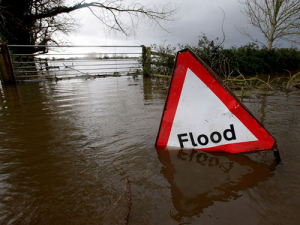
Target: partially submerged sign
x=202 y=113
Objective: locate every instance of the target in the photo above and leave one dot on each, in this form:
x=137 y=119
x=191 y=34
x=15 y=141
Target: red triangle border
x=185 y=60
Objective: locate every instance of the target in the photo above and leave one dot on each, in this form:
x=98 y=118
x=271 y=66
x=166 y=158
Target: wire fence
x=69 y=61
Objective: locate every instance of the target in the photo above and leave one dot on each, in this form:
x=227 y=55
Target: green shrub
x=249 y=59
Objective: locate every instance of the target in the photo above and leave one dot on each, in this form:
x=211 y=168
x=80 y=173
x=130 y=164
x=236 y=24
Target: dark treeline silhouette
x=249 y=59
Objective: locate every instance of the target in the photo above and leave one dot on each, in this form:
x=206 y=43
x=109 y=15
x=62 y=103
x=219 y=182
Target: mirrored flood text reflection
x=198 y=179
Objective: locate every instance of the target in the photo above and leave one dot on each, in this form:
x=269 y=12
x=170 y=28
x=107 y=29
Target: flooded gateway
x=81 y=151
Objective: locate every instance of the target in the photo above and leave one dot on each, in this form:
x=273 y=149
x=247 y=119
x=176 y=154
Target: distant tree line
x=249 y=59
x=276 y=20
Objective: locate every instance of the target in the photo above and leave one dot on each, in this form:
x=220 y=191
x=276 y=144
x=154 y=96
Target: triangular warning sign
x=202 y=113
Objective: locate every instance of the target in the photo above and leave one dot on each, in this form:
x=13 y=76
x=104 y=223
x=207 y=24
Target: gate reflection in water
x=64 y=144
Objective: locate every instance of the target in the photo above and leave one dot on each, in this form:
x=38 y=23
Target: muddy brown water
x=68 y=148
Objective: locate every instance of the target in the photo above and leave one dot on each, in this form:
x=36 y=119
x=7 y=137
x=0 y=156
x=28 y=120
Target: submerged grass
x=286 y=84
x=282 y=83
x=291 y=80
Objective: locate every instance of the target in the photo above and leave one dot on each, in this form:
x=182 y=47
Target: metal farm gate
x=71 y=61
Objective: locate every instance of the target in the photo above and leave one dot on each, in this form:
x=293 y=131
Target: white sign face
x=202 y=113
x=202 y=120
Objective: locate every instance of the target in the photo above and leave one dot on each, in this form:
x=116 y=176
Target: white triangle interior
x=200 y=111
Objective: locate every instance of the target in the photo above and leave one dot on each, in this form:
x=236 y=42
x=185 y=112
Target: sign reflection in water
x=198 y=179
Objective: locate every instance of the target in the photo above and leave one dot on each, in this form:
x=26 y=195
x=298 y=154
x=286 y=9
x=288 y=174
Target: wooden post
x=146 y=61
x=6 y=70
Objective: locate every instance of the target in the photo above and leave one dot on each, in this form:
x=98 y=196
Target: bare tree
x=275 y=19
x=32 y=22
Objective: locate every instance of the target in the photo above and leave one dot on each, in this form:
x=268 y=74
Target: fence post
x=146 y=61
x=6 y=70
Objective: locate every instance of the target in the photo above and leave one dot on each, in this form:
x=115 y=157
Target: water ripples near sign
x=68 y=148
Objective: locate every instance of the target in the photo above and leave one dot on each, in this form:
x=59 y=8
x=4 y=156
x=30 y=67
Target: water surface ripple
x=67 y=149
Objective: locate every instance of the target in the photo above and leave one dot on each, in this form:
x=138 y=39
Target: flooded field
x=82 y=152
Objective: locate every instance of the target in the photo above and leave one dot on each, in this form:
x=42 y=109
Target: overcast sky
x=193 y=17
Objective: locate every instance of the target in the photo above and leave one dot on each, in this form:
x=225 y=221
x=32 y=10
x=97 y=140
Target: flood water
x=80 y=151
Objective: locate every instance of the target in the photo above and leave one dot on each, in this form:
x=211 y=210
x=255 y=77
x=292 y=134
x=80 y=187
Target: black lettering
x=205 y=139
x=182 y=140
x=213 y=134
x=192 y=139
x=231 y=130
